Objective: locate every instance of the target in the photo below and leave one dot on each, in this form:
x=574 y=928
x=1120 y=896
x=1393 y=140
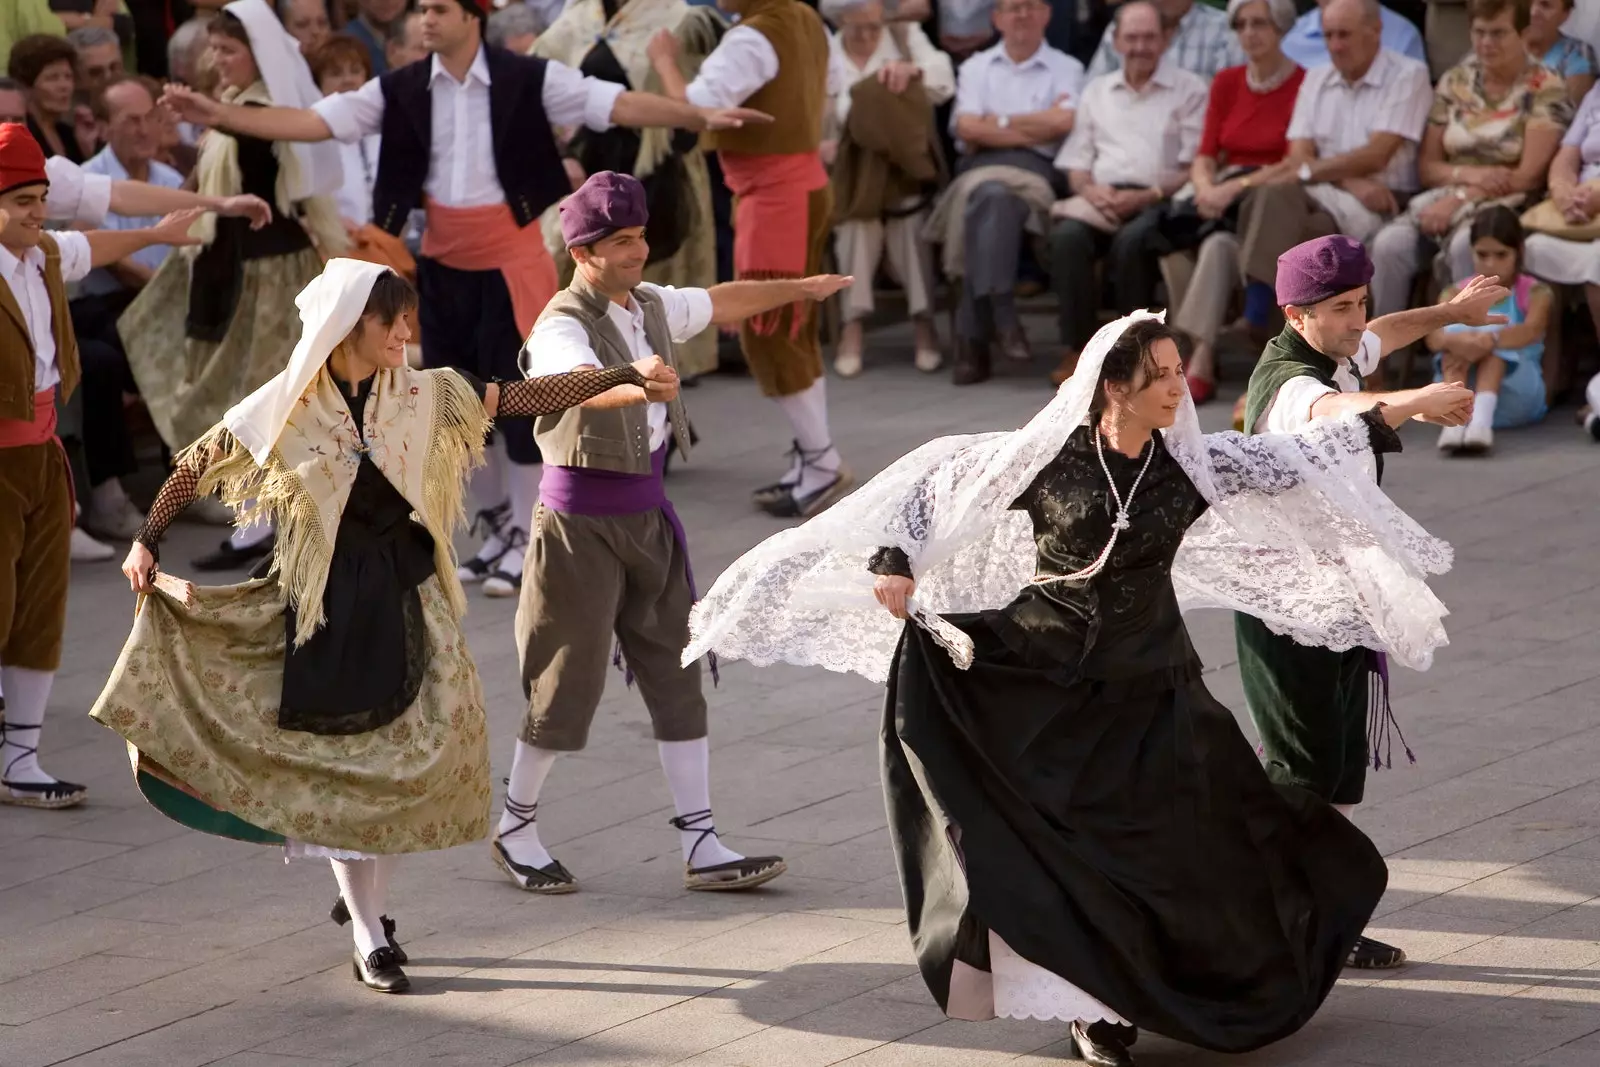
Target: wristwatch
x=1004 y=122
x=1304 y=173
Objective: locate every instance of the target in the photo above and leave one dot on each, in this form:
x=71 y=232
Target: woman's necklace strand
x=1119 y=520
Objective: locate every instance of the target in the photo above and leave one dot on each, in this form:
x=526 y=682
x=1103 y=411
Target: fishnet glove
x=177 y=493
x=557 y=392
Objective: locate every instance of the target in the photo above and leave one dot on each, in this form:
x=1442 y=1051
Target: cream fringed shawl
x=424 y=431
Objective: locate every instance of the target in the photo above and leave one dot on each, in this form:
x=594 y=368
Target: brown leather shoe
x=972 y=362
x=1013 y=344
x=1064 y=369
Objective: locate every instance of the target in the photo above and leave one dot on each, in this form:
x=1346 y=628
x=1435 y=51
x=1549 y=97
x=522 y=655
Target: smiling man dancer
x=1312 y=706
x=608 y=554
x=468 y=134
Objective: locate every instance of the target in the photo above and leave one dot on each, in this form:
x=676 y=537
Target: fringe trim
x=769 y=323
x=455 y=447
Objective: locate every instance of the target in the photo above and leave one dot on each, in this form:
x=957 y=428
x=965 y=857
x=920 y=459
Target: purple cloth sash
x=586 y=491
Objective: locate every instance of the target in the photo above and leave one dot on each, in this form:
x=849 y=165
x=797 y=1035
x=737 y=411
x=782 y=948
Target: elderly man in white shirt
x=1353 y=138
x=1137 y=132
x=1015 y=103
x=1202 y=42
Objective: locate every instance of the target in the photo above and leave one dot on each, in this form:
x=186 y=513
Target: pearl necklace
x=1119 y=521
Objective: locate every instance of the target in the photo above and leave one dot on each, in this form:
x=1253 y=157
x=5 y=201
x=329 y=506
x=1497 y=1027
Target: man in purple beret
x=1312 y=706
x=607 y=553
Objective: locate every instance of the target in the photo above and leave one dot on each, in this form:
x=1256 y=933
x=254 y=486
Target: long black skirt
x=1127 y=840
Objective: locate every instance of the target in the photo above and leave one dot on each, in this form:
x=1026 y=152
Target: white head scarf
x=329 y=307
x=289 y=83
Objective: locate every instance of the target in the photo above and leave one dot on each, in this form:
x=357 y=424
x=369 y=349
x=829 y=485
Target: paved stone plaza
x=126 y=941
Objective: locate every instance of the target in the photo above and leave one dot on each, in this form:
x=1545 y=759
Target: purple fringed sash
x=1380 y=714
x=584 y=491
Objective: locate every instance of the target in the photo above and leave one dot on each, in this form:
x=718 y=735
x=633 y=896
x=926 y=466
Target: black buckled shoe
x=1370 y=955
x=1098 y=1044
x=380 y=971
x=228 y=558
x=340 y=914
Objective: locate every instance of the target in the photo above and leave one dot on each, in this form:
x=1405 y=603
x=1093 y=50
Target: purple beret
x=1311 y=272
x=604 y=204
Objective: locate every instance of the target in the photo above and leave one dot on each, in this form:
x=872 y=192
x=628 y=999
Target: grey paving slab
x=126 y=941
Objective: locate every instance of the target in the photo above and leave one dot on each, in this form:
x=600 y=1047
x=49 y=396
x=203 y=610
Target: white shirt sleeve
x=75 y=194
x=75 y=255
x=571 y=99
x=1369 y=355
x=1078 y=151
x=557 y=345
x=1410 y=98
x=1305 y=109
x=938 y=73
x=688 y=310
x=1291 y=408
x=742 y=63
x=353 y=115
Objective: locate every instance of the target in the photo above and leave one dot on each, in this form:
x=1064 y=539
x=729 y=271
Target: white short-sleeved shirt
x=1124 y=136
x=991 y=83
x=1338 y=116
x=25 y=276
x=743 y=61
x=461 y=170
x=75 y=194
x=1290 y=410
x=559 y=344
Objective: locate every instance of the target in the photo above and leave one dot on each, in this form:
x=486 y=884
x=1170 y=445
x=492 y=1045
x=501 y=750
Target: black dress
x=1111 y=822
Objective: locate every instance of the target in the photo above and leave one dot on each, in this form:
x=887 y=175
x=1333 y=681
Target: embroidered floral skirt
x=195 y=693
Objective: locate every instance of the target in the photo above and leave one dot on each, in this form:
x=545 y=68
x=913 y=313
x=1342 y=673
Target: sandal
x=52 y=795
x=746 y=873
x=550 y=880
x=1370 y=955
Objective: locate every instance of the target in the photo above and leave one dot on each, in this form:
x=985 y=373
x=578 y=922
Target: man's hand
x=1443 y=404
x=663 y=48
x=891 y=590
x=1434 y=220
x=189 y=105
x=245 y=206
x=174 y=229
x=1103 y=197
x=897 y=75
x=661 y=381
x=1496 y=181
x=1375 y=196
x=822 y=286
x=1129 y=202
x=1471 y=305
x=731 y=118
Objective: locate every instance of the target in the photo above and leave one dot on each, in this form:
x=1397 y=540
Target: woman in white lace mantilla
x=1082 y=831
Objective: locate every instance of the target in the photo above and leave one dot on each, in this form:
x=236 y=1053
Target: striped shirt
x=1393 y=96
x=1203 y=44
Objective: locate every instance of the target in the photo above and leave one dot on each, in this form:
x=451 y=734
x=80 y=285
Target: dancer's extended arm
x=647 y=381
x=734 y=302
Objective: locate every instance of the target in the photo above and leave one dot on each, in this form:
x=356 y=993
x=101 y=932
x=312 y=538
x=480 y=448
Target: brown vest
x=16 y=345
x=797 y=97
x=617 y=439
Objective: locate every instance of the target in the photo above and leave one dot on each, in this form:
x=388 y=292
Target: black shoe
x=972 y=362
x=1370 y=955
x=380 y=971
x=792 y=505
x=54 y=794
x=550 y=880
x=228 y=558
x=340 y=914
x=1097 y=1044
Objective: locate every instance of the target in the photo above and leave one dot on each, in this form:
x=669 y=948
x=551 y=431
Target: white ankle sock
x=807 y=411
x=529 y=768
x=357 y=886
x=687 y=765
x=244 y=537
x=1483 y=405
x=26 y=692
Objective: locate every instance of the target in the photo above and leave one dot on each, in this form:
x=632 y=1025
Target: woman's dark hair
x=227 y=24
x=33 y=53
x=392 y=296
x=1500 y=223
x=1130 y=354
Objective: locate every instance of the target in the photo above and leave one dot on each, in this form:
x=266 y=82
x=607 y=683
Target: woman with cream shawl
x=607 y=39
x=330 y=704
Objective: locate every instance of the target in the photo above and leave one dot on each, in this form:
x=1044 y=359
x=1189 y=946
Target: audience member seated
x=99 y=57
x=1202 y=42
x=965 y=26
x=375 y=21
x=1246 y=133
x=306 y=21
x=1352 y=149
x=47 y=68
x=1496 y=122
x=515 y=28
x=1137 y=132
x=1306 y=45
x=1561 y=232
x=1503 y=364
x=405 y=41
x=1014 y=106
x=1568 y=57
x=890 y=80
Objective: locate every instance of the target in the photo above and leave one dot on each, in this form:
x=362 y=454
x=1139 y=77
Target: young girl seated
x=1504 y=364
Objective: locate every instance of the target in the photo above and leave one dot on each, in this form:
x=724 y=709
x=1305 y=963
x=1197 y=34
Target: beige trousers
x=1272 y=220
x=1201 y=286
x=861 y=244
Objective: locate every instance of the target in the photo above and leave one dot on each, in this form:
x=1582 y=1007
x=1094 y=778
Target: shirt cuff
x=340 y=117
x=601 y=101
x=94 y=199
x=1370 y=354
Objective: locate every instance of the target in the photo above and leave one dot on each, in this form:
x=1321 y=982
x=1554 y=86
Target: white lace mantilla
x=1297 y=534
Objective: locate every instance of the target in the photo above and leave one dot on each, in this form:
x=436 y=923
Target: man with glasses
x=1015 y=103
x=1202 y=41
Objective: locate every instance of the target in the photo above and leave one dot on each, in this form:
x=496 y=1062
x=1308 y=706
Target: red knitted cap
x=21 y=158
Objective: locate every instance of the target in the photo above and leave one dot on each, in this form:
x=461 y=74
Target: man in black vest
x=467 y=133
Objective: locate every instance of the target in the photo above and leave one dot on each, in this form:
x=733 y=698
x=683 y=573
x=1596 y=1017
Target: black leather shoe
x=1097 y=1045
x=380 y=971
x=1013 y=344
x=228 y=558
x=972 y=362
x=1370 y=955
x=340 y=914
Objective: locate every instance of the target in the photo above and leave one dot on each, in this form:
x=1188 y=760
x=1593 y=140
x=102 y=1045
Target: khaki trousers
x=587 y=578
x=1202 y=286
x=35 y=555
x=788 y=360
x=860 y=244
x=1272 y=220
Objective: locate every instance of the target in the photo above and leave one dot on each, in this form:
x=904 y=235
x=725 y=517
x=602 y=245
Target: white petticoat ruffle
x=301 y=850
x=1025 y=990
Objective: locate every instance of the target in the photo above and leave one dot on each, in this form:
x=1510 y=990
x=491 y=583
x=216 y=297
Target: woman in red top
x=1247 y=122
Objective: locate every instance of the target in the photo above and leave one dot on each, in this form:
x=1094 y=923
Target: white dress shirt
x=1339 y=116
x=938 y=74
x=76 y=196
x=1124 y=136
x=25 y=276
x=559 y=343
x=1290 y=410
x=991 y=83
x=743 y=61
x=461 y=158
x=359 y=161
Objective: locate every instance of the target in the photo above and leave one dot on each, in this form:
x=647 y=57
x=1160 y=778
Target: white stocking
x=808 y=416
x=26 y=694
x=529 y=768
x=382 y=874
x=357 y=884
x=687 y=765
